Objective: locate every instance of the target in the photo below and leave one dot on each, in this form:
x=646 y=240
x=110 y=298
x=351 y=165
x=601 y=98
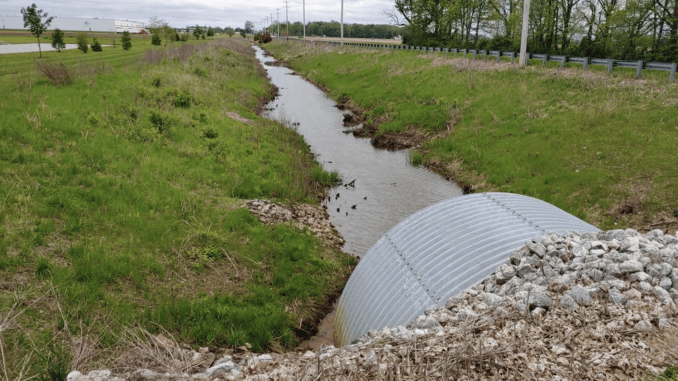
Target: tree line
x=623 y=30
x=333 y=29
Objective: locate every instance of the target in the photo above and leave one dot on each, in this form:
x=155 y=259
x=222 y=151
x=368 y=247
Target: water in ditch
x=386 y=187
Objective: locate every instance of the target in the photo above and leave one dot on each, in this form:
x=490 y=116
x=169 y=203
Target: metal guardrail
x=671 y=67
x=438 y=252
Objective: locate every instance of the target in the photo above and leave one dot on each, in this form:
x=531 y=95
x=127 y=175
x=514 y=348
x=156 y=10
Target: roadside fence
x=496 y=54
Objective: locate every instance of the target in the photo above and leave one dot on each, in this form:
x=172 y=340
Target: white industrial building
x=78 y=25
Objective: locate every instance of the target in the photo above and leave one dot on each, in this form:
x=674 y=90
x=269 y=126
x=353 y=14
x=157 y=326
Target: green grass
x=122 y=204
x=588 y=143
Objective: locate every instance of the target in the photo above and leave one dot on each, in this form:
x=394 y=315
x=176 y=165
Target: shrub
x=82 y=42
x=96 y=46
x=203 y=36
x=243 y=34
x=126 y=40
x=57 y=72
x=200 y=72
x=176 y=37
x=155 y=40
x=184 y=37
x=265 y=38
x=210 y=133
x=161 y=122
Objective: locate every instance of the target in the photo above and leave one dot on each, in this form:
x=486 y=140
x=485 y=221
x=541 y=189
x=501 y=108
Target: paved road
x=28 y=48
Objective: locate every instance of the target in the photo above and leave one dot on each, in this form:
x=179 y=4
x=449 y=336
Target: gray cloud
x=222 y=13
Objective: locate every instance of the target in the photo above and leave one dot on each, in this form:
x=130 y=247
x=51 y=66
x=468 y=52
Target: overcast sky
x=221 y=13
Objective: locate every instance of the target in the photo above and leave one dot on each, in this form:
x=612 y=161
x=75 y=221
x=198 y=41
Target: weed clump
x=44 y=268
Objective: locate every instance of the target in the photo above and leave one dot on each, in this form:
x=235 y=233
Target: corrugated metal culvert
x=438 y=252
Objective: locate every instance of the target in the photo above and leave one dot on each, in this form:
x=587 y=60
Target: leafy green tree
x=197 y=32
x=203 y=36
x=33 y=21
x=243 y=34
x=96 y=46
x=249 y=27
x=230 y=32
x=168 y=32
x=210 y=32
x=126 y=40
x=176 y=37
x=81 y=40
x=156 y=39
x=58 y=39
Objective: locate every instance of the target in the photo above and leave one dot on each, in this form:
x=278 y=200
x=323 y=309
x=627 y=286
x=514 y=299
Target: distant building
x=78 y=25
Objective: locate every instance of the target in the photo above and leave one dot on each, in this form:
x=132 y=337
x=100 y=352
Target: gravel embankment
x=592 y=306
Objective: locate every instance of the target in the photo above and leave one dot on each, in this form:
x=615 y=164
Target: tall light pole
x=342 y=22
x=523 y=38
x=305 y=19
x=287 y=20
x=277 y=10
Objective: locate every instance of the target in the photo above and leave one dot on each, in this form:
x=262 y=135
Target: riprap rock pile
x=572 y=307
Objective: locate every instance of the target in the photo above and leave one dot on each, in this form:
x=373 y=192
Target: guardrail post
x=498 y=55
x=447 y=53
x=475 y=53
x=544 y=58
x=513 y=57
x=610 y=65
x=639 y=68
x=455 y=52
x=484 y=55
x=586 y=63
x=562 y=62
x=672 y=76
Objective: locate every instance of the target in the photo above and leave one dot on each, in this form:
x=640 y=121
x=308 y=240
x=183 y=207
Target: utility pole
x=523 y=38
x=342 y=22
x=304 y=19
x=271 y=24
x=277 y=10
x=287 y=20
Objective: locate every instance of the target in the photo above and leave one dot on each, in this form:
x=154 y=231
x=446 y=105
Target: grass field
x=122 y=205
x=602 y=148
x=19 y=64
x=360 y=40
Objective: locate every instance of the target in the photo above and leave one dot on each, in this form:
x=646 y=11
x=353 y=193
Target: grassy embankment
x=122 y=204
x=602 y=148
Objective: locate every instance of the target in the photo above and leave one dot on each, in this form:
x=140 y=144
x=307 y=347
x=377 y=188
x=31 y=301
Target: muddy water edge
x=380 y=187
